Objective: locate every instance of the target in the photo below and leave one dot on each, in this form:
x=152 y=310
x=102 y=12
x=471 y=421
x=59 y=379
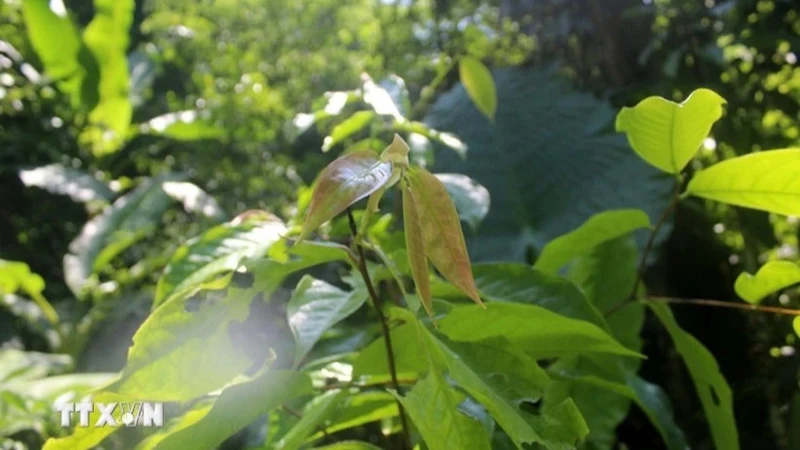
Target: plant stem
x=723 y=304
x=647 y=248
x=387 y=339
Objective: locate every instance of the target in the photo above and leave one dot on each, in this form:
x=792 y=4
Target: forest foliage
x=434 y=224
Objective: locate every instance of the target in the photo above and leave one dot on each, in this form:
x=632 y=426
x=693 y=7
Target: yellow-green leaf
x=667 y=134
x=714 y=392
x=769 y=181
x=344 y=182
x=417 y=260
x=441 y=231
x=796 y=325
x=771 y=277
x=599 y=228
x=478 y=82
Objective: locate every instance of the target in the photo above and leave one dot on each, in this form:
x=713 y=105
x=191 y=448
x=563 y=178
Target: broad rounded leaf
x=471 y=199
x=478 y=82
x=714 y=392
x=433 y=407
x=207 y=426
x=599 y=228
x=667 y=134
x=117 y=228
x=547 y=161
x=771 y=277
x=542 y=333
x=344 y=182
x=417 y=259
x=217 y=250
x=441 y=231
x=315 y=306
x=769 y=181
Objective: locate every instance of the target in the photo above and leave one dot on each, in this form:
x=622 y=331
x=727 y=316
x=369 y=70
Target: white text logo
x=144 y=414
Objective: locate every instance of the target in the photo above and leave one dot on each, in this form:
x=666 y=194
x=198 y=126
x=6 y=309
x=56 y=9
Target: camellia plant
x=503 y=356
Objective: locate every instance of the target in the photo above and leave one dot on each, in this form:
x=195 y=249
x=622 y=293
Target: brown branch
x=723 y=304
x=647 y=248
x=387 y=339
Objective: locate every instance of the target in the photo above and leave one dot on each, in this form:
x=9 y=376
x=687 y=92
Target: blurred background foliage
x=127 y=127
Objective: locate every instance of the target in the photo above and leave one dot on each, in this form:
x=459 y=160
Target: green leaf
x=543 y=334
x=502 y=378
x=441 y=231
x=714 y=392
x=342 y=183
x=315 y=306
x=415 y=245
x=360 y=409
x=106 y=235
x=76 y=184
x=86 y=438
x=667 y=134
x=315 y=413
x=237 y=406
x=771 y=277
x=17 y=276
x=765 y=180
x=599 y=228
x=188 y=335
x=599 y=385
x=216 y=251
x=188 y=125
x=347 y=128
x=407 y=346
x=62 y=52
x=520 y=283
x=577 y=170
x=107 y=36
x=796 y=325
x=349 y=445
x=433 y=407
x=478 y=82
x=471 y=199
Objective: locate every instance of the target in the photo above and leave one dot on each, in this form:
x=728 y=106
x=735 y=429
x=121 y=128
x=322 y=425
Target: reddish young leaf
x=344 y=182
x=416 y=249
x=441 y=231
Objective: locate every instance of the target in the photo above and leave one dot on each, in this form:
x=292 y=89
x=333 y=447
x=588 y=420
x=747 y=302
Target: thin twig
x=647 y=248
x=330 y=387
x=723 y=304
x=387 y=339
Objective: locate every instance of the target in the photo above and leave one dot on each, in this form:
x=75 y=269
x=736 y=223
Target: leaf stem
x=647 y=248
x=722 y=304
x=387 y=339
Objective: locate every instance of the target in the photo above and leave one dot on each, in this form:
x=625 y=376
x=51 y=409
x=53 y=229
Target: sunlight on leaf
x=315 y=306
x=471 y=199
x=349 y=127
x=796 y=325
x=342 y=183
x=771 y=277
x=668 y=134
x=768 y=180
x=58 y=179
x=599 y=228
x=441 y=231
x=479 y=84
